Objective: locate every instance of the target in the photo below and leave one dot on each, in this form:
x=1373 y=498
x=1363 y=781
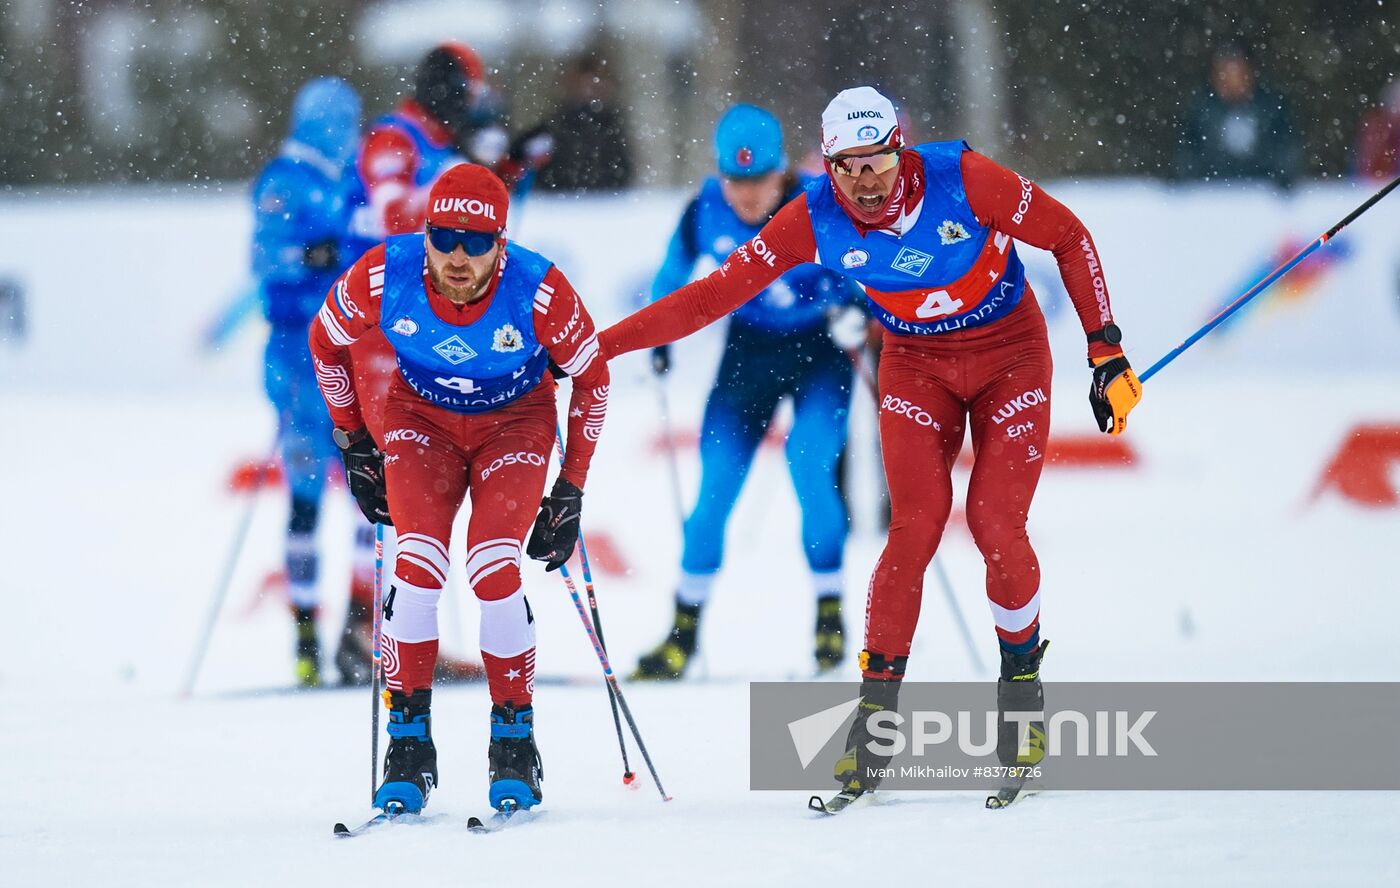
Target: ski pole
x=1267 y=281
x=235 y=554
x=670 y=444
x=375 y=659
x=942 y=573
x=612 y=680
x=627 y=776
x=863 y=371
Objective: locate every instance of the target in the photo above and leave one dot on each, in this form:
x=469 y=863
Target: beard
x=459 y=295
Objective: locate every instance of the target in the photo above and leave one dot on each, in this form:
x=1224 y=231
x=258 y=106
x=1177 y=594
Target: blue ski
x=507 y=816
x=393 y=814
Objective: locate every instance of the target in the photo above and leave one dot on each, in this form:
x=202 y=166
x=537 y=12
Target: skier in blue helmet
x=300 y=225
x=779 y=345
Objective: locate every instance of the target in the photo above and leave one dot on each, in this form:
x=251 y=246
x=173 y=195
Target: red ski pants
x=434 y=458
x=996 y=381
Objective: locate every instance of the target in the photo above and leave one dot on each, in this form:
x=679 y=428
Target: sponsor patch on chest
x=951 y=232
x=454 y=351
x=854 y=258
x=911 y=262
x=507 y=339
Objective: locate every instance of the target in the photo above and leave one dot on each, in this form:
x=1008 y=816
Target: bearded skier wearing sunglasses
x=452 y=114
x=928 y=232
x=474 y=320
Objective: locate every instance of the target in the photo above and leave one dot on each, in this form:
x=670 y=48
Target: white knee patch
x=410 y=612
x=487 y=557
x=425 y=553
x=1014 y=620
x=507 y=627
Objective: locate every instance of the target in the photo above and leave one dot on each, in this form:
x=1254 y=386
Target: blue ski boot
x=514 y=759
x=410 y=765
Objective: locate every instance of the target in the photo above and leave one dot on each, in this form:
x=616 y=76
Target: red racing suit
x=993 y=379
x=434 y=456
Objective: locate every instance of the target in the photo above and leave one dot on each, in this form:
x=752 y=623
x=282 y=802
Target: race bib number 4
x=459 y=384
x=937 y=304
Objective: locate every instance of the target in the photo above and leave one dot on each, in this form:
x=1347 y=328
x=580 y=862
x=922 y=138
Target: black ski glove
x=364 y=470
x=556 y=528
x=661 y=360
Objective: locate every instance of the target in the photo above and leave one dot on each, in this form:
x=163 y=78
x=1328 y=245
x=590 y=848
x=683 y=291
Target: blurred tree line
x=176 y=90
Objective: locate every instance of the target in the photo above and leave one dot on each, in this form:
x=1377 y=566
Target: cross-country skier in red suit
x=474 y=320
x=450 y=116
x=928 y=231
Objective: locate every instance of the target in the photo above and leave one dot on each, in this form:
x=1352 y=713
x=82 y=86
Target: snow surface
x=1207 y=561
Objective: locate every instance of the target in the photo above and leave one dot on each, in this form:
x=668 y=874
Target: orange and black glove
x=1116 y=389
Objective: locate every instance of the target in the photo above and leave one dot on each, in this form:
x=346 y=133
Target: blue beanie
x=749 y=142
x=326 y=117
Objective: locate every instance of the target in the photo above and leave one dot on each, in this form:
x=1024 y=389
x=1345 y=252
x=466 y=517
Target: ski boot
x=1019 y=690
x=668 y=660
x=410 y=765
x=514 y=760
x=308 y=649
x=859 y=770
x=353 y=655
x=831 y=639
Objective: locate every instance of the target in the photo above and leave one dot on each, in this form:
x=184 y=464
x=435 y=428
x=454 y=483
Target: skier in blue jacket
x=778 y=346
x=300 y=226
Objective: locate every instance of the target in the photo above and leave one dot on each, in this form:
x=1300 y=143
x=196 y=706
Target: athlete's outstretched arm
x=786 y=241
x=1011 y=203
x=351 y=310
x=564 y=326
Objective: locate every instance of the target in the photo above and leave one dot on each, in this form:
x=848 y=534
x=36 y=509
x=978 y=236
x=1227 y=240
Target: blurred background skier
x=778 y=345
x=453 y=115
x=300 y=206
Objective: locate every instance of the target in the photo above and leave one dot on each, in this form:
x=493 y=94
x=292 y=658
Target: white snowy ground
x=1204 y=563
